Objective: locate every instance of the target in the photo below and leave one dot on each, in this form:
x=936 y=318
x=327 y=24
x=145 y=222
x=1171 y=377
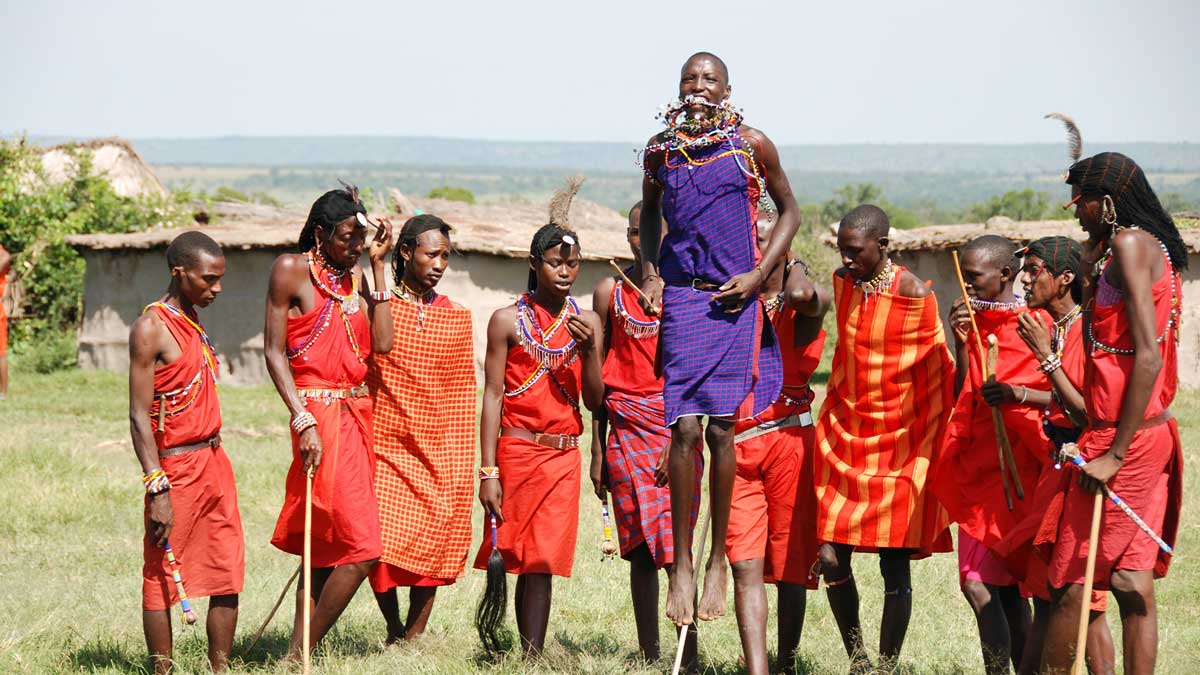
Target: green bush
x=35 y=219
x=453 y=193
x=53 y=352
x=1016 y=204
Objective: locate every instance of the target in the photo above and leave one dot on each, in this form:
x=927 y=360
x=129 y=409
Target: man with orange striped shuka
x=880 y=430
x=772 y=524
x=320 y=331
x=424 y=427
x=629 y=437
x=191 y=509
x=972 y=479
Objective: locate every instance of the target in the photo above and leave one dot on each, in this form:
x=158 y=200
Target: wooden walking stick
x=1085 y=602
x=307 y=620
x=683 y=630
x=987 y=365
x=645 y=298
x=279 y=601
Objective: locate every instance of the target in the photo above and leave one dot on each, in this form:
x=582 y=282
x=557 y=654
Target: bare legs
x=643 y=584
x=534 y=592
x=1134 y=593
x=1004 y=623
x=420 y=605
x=792 y=605
x=750 y=605
x=719 y=435
x=897 y=603
x=843 y=602
x=685 y=435
x=1101 y=657
x=333 y=588
x=220 y=626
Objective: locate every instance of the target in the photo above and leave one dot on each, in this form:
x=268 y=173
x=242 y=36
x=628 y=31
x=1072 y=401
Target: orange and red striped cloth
x=883 y=422
x=424 y=392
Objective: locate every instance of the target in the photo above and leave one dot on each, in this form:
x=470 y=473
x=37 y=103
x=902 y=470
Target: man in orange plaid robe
x=424 y=393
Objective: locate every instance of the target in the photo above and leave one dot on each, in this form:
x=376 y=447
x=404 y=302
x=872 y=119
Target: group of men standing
x=715 y=320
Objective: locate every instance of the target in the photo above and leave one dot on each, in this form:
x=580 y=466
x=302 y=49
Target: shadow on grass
x=105 y=654
x=270 y=650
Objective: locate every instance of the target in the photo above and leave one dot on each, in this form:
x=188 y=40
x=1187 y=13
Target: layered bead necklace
x=406 y=293
x=1058 y=332
x=179 y=398
x=347 y=304
x=1172 y=316
x=685 y=134
x=535 y=342
x=634 y=328
x=880 y=283
x=979 y=305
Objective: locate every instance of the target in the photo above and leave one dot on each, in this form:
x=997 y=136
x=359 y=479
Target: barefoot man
x=705 y=175
x=424 y=418
x=175 y=420
x=318 y=339
x=880 y=431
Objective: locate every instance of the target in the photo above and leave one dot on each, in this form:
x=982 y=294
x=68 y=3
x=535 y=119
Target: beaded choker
x=979 y=305
x=634 y=328
x=535 y=341
x=879 y=283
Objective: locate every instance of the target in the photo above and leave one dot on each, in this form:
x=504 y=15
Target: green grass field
x=70 y=560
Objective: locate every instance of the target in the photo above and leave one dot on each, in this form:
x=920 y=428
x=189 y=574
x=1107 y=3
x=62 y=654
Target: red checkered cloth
x=424 y=392
x=636 y=439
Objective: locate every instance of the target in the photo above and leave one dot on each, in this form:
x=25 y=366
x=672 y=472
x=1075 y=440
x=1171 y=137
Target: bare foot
x=681 y=592
x=712 y=603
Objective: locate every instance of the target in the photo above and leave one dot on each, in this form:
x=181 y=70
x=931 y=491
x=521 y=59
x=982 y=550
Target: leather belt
x=803 y=418
x=357 y=391
x=695 y=285
x=556 y=441
x=213 y=442
x=1148 y=423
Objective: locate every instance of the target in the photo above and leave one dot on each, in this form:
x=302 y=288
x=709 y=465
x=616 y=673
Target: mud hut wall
x=119 y=283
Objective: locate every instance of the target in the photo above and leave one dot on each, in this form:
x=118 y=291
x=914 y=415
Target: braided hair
x=1060 y=254
x=412 y=230
x=547 y=237
x=1119 y=177
x=330 y=209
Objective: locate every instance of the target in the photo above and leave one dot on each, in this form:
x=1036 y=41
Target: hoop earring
x=1109 y=214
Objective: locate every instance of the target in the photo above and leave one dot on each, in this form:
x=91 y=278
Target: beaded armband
x=303 y=421
x=489 y=472
x=156 y=482
x=1050 y=364
x=381 y=296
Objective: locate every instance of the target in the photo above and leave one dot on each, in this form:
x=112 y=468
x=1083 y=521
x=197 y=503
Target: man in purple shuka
x=705 y=174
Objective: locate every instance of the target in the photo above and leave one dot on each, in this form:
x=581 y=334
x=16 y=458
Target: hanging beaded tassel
x=634 y=328
x=608 y=548
x=879 y=283
x=189 y=617
x=534 y=341
x=489 y=615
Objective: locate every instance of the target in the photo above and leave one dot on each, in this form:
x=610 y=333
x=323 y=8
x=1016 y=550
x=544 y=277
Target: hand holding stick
x=645 y=298
x=608 y=548
x=188 y=617
x=1071 y=452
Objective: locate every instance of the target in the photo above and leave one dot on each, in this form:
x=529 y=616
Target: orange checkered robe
x=424 y=392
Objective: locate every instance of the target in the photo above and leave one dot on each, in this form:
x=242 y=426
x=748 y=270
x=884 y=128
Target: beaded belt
x=800 y=419
x=556 y=441
x=353 y=392
x=1148 y=423
x=213 y=442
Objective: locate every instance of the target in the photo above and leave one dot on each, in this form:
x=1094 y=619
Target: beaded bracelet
x=303 y=421
x=156 y=482
x=1024 y=393
x=1050 y=364
x=489 y=472
x=381 y=296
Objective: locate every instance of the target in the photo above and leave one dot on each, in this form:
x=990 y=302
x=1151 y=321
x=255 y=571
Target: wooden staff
x=683 y=630
x=1085 y=602
x=645 y=298
x=282 y=594
x=307 y=620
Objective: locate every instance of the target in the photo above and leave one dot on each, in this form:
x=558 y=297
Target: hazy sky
x=830 y=72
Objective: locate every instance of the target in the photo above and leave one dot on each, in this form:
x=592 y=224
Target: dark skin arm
x=381 y=330
x=650 y=225
x=1137 y=262
x=1037 y=338
x=809 y=301
x=599 y=468
x=501 y=334
x=149 y=345
x=289 y=288
x=586 y=330
x=736 y=292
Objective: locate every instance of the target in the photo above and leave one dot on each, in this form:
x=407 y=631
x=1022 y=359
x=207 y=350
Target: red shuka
x=207 y=536
x=967 y=479
x=540 y=484
x=774 y=505
x=345 y=513
x=1150 y=479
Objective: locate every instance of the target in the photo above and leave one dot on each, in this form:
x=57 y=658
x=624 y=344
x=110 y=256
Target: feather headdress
x=1074 y=139
x=560 y=204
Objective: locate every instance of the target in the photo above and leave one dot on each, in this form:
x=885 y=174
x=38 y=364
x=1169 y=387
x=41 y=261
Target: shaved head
x=186 y=249
x=867 y=218
x=994 y=250
x=721 y=67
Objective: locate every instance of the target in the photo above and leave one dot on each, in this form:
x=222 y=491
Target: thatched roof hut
x=113 y=158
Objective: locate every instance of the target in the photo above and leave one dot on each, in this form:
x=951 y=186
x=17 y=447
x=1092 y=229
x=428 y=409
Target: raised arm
x=500 y=334
x=145 y=342
x=382 y=337
x=781 y=195
x=287 y=275
x=650 y=227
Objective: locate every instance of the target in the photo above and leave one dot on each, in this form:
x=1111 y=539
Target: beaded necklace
x=979 y=305
x=877 y=284
x=1172 y=316
x=535 y=343
x=686 y=133
x=172 y=403
x=634 y=328
x=406 y=293
x=1058 y=332
x=347 y=304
